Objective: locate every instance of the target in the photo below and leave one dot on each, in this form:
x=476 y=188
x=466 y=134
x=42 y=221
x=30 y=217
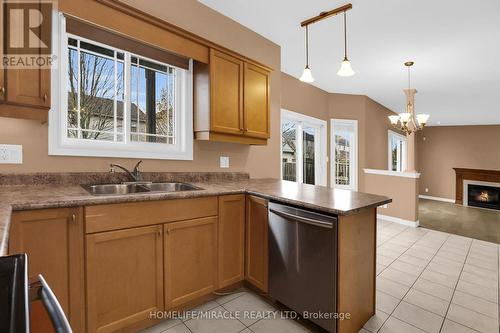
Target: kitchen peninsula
x=191 y=243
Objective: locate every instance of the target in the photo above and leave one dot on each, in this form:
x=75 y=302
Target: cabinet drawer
x=128 y=215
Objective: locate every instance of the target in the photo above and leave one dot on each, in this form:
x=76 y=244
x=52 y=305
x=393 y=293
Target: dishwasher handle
x=302 y=219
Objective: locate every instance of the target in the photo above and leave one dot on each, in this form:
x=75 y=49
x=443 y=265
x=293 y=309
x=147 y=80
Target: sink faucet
x=135 y=175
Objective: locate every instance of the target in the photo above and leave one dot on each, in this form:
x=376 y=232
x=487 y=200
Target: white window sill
x=393 y=173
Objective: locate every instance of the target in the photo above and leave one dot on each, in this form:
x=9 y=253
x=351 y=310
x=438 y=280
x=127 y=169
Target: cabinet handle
x=45 y=97
x=2 y=90
x=73 y=218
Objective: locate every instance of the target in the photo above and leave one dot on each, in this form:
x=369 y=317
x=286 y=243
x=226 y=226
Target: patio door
x=344 y=154
x=303 y=148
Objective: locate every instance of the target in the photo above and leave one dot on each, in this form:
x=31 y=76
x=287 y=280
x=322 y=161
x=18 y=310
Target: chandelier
x=407 y=121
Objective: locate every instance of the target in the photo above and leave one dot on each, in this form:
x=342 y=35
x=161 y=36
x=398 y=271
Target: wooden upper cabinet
x=231 y=99
x=190 y=260
x=53 y=241
x=256 y=101
x=226 y=93
x=124 y=277
x=26 y=91
x=231 y=239
x=257 y=258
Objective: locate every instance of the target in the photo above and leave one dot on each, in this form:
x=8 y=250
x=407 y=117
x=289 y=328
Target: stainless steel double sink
x=138 y=187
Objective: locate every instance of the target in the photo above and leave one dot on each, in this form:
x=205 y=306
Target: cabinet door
x=31 y=86
x=256 y=101
x=231 y=239
x=2 y=71
x=190 y=260
x=53 y=241
x=124 y=277
x=256 y=267
x=226 y=83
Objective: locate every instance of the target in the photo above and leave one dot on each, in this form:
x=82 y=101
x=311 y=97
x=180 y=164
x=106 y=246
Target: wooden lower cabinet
x=53 y=241
x=256 y=263
x=124 y=277
x=190 y=260
x=231 y=240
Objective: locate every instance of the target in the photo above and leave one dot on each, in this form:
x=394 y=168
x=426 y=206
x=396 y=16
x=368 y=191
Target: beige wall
x=201 y=20
x=372 y=119
x=402 y=190
x=442 y=148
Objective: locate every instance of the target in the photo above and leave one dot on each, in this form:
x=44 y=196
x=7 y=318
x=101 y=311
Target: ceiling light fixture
x=307 y=74
x=345 y=68
x=407 y=121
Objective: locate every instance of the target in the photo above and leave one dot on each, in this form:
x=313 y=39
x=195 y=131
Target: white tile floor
x=427 y=281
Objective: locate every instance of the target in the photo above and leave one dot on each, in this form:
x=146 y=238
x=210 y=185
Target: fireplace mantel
x=472 y=174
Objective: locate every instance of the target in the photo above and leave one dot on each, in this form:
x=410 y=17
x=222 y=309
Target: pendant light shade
x=307 y=74
x=345 y=68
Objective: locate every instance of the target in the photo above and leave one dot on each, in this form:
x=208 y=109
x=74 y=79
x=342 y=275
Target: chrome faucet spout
x=135 y=175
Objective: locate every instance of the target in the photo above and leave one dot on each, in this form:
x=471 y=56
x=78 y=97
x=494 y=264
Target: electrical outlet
x=224 y=162
x=11 y=154
x=426 y=190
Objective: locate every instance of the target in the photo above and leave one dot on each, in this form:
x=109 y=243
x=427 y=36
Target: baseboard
x=421 y=196
x=398 y=220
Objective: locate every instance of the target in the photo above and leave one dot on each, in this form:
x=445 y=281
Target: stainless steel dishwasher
x=303 y=262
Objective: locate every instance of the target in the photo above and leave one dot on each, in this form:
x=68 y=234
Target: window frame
x=353 y=170
x=61 y=144
x=320 y=177
x=402 y=165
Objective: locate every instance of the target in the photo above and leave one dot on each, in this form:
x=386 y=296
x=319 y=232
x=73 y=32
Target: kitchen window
x=113 y=102
x=303 y=148
x=397 y=151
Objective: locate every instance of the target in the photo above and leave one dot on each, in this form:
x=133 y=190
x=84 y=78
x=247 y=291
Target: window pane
x=97 y=92
x=72 y=93
x=308 y=150
x=289 y=150
x=343 y=144
x=153 y=102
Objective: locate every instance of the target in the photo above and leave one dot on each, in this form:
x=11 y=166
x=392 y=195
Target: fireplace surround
x=484 y=183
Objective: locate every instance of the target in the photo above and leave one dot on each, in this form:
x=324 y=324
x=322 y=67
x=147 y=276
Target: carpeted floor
x=471 y=222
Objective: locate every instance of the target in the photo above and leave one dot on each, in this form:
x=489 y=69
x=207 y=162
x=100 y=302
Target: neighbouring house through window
x=397 y=151
x=117 y=103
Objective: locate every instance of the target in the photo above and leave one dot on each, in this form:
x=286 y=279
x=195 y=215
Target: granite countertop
x=324 y=199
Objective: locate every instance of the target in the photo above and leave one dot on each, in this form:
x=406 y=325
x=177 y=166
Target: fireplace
x=466 y=177
x=483 y=196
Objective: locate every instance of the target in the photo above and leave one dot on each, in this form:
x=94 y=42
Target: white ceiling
x=455 y=45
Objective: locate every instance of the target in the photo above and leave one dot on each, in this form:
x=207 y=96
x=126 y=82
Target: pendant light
x=307 y=74
x=345 y=67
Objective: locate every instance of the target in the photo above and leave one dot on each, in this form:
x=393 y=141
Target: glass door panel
x=309 y=148
x=344 y=154
x=289 y=150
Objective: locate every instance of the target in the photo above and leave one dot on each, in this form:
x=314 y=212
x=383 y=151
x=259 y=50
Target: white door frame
x=354 y=167
x=320 y=145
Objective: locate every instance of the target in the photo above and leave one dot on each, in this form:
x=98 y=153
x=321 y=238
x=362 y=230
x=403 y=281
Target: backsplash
x=81 y=178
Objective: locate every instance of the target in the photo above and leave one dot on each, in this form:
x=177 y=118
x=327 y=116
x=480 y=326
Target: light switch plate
x=11 y=154
x=224 y=161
